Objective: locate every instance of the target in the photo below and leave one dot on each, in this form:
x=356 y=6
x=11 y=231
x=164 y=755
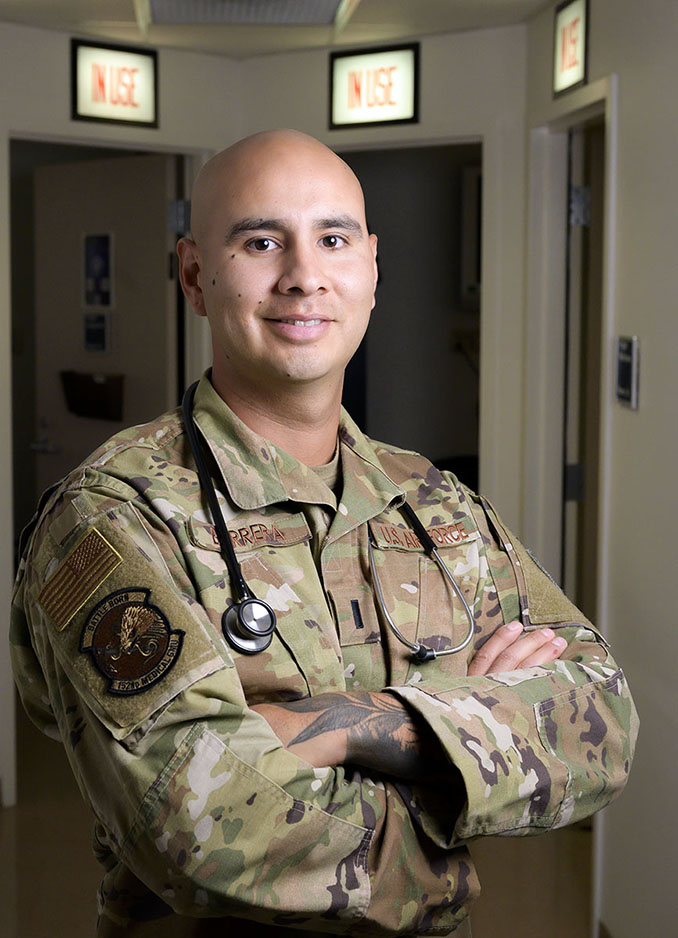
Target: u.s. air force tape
x=130 y=641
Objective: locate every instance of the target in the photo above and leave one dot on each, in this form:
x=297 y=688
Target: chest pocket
x=417 y=596
x=273 y=551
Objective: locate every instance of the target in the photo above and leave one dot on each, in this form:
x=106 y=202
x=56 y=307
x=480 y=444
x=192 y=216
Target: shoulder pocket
x=125 y=636
x=540 y=600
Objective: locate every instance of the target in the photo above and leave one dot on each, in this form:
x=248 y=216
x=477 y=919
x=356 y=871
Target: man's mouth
x=303 y=322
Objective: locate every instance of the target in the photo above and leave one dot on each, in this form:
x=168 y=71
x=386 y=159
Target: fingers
x=485 y=657
x=551 y=649
x=508 y=650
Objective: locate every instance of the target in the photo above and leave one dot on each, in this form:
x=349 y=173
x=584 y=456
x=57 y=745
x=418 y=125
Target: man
x=329 y=783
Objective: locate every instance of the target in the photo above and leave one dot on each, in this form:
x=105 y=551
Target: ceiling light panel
x=245 y=12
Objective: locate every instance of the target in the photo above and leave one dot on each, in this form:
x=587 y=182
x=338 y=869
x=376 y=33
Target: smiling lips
x=303 y=322
x=303 y=330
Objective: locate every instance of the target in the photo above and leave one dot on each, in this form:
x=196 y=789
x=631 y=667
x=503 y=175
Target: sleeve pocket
x=573 y=727
x=136 y=641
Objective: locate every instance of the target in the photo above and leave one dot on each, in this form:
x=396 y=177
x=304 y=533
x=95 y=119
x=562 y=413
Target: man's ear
x=373 y=245
x=190 y=274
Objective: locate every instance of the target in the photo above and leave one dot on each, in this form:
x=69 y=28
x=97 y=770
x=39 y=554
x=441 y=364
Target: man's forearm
x=373 y=730
x=376 y=730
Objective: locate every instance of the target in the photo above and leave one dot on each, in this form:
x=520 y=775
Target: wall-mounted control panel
x=627 y=366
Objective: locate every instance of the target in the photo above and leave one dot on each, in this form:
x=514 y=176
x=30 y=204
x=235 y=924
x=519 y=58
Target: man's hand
x=508 y=650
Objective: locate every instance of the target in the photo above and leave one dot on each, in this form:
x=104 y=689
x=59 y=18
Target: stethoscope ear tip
x=423 y=654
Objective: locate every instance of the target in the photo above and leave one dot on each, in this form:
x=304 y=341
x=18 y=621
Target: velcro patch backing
x=548 y=604
x=78 y=576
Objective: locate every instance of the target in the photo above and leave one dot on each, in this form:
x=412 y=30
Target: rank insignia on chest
x=130 y=641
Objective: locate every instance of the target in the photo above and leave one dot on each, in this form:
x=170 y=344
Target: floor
x=50 y=877
x=534 y=887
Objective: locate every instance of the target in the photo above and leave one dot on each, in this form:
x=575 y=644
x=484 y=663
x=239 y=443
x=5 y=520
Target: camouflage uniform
x=200 y=812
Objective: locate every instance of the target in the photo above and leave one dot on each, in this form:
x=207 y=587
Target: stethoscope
x=248 y=624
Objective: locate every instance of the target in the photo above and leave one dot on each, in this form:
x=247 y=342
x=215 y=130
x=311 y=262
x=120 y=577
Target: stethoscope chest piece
x=248 y=626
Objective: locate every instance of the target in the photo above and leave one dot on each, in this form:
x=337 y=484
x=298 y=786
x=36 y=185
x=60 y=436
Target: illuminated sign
x=374 y=86
x=115 y=84
x=569 y=52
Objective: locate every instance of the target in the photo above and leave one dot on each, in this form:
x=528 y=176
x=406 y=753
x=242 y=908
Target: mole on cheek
x=232 y=256
x=240 y=294
x=214 y=283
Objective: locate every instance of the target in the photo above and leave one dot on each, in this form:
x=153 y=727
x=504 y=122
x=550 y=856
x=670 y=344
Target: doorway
x=65 y=200
x=59 y=194
x=415 y=381
x=583 y=347
x=569 y=403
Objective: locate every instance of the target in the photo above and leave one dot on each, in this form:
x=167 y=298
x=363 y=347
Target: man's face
x=287 y=271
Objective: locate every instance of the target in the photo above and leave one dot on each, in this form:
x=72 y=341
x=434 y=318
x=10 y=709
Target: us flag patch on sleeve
x=80 y=573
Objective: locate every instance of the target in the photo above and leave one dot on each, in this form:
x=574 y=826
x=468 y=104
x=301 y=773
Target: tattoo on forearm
x=381 y=734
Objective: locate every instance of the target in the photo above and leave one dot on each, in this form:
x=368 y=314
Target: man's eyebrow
x=347 y=222
x=254 y=224
x=246 y=225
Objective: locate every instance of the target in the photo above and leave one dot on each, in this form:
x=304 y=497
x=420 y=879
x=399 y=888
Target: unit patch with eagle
x=130 y=641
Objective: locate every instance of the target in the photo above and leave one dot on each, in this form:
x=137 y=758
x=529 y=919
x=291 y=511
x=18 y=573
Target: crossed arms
x=377 y=730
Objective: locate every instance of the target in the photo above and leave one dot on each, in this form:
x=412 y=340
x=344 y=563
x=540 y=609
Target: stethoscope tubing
x=208 y=488
x=422 y=652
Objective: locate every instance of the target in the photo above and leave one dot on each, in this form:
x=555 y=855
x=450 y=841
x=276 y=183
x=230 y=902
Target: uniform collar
x=368 y=490
x=257 y=473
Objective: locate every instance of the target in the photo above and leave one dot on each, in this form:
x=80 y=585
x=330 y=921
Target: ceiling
x=372 y=21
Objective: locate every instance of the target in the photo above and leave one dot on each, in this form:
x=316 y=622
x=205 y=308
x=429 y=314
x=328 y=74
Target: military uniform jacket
x=201 y=814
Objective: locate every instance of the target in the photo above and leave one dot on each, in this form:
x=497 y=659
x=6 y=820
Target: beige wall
x=638 y=42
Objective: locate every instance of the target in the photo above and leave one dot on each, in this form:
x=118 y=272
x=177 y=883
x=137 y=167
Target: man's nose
x=302 y=270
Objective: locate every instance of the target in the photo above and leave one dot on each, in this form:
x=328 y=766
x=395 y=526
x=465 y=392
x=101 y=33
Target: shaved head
x=282 y=265
x=248 y=161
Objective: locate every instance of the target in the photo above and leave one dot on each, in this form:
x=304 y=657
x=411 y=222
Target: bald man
x=326 y=777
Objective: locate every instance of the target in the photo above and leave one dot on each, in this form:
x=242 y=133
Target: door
x=422 y=349
x=582 y=367
x=105 y=307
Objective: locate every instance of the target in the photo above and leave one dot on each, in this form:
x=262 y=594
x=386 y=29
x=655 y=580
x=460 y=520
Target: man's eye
x=332 y=241
x=262 y=245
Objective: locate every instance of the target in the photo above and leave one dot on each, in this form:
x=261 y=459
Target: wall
x=199 y=111
x=638 y=42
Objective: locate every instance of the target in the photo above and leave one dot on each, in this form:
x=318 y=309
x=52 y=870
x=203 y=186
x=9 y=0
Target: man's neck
x=304 y=423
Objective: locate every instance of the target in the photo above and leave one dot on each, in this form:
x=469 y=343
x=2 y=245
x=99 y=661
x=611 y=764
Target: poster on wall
x=114 y=84
x=98 y=270
x=570 y=45
x=374 y=86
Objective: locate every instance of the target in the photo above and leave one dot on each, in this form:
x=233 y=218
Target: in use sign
x=114 y=84
x=569 y=52
x=374 y=86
